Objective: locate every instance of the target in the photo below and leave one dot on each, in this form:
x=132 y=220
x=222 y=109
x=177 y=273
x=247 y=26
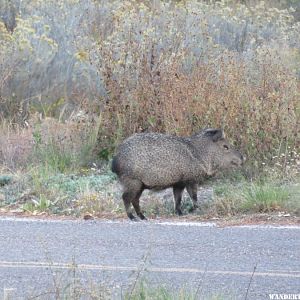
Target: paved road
x=37 y=256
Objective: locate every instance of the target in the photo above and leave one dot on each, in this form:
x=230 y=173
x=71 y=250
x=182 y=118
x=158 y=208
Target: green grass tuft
x=265 y=198
x=55 y=158
x=5 y=179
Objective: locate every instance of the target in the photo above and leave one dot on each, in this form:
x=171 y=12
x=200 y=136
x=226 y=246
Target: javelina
x=158 y=161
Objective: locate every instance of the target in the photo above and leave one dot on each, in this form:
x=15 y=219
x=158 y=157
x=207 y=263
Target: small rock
x=283 y=214
x=17 y=210
x=88 y=217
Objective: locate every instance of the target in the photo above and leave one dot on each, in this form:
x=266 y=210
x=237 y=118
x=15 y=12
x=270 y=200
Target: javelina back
x=158 y=161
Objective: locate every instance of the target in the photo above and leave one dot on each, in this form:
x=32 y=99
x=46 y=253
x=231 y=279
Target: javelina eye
x=226 y=147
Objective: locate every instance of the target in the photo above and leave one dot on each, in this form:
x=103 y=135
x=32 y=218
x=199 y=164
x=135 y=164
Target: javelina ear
x=214 y=134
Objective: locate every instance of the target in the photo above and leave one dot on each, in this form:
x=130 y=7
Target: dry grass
x=48 y=141
x=16 y=145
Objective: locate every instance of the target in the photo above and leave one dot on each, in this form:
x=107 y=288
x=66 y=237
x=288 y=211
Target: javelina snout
x=158 y=161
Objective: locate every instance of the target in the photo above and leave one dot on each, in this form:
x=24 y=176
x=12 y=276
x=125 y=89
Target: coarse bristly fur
x=158 y=161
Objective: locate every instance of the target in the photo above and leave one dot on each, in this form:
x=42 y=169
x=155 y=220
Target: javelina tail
x=115 y=166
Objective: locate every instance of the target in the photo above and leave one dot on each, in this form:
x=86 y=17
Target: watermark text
x=284 y=296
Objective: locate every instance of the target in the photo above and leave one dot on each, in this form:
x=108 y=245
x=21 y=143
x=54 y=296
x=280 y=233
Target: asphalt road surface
x=43 y=257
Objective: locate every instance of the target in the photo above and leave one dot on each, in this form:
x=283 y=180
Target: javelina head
x=219 y=153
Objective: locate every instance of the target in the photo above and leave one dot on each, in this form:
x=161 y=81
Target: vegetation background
x=77 y=77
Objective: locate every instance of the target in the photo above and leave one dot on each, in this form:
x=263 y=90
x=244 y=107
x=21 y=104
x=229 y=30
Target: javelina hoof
x=132 y=217
x=195 y=207
x=142 y=217
x=178 y=212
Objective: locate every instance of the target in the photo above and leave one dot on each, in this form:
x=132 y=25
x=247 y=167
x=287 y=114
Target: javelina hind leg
x=136 y=205
x=177 y=191
x=132 y=193
x=127 y=196
x=192 y=191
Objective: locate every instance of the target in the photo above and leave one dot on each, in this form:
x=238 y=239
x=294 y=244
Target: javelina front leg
x=177 y=191
x=192 y=191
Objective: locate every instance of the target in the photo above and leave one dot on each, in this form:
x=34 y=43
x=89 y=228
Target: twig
x=139 y=272
x=40 y=295
x=200 y=283
x=254 y=269
x=142 y=267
